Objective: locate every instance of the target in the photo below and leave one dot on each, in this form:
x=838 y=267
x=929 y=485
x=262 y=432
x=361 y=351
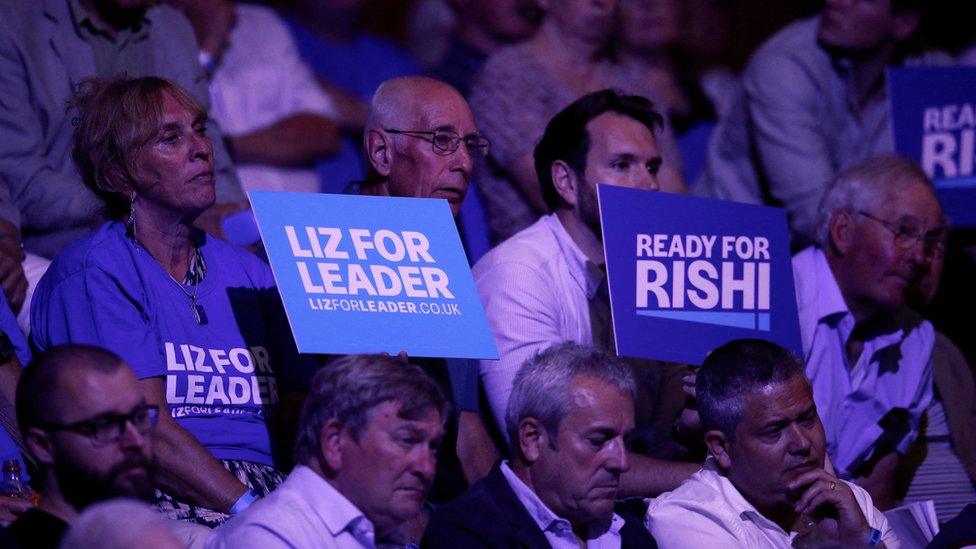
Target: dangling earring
x=131 y=220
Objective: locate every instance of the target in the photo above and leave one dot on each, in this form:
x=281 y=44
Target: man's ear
x=718 y=446
x=330 y=444
x=39 y=446
x=566 y=181
x=531 y=438
x=904 y=24
x=378 y=152
x=840 y=231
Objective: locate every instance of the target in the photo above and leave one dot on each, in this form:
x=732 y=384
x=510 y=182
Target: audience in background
x=813 y=104
x=547 y=284
x=316 y=102
x=199 y=320
x=765 y=484
x=482 y=27
x=277 y=118
x=570 y=412
x=48 y=49
x=351 y=63
x=867 y=355
x=88 y=429
x=522 y=86
x=365 y=454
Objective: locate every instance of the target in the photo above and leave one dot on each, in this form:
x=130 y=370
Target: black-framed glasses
x=446 y=142
x=108 y=428
x=907 y=234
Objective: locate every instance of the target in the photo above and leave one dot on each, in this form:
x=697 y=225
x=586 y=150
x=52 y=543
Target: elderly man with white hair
x=867 y=355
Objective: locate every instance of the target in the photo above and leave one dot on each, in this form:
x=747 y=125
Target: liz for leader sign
x=365 y=274
x=688 y=274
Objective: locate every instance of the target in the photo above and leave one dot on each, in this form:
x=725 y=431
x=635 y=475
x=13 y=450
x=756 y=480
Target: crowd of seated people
x=153 y=394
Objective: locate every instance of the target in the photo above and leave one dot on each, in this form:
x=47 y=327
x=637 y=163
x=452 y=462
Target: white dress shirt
x=305 y=511
x=894 y=369
x=261 y=80
x=536 y=288
x=708 y=511
x=559 y=531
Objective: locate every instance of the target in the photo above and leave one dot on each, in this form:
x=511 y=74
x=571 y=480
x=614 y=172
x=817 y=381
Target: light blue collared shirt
x=893 y=371
x=559 y=531
x=305 y=511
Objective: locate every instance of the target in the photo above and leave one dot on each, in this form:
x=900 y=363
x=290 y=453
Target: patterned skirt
x=258 y=477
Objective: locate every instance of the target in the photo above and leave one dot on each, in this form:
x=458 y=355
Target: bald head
x=400 y=101
x=39 y=391
x=399 y=143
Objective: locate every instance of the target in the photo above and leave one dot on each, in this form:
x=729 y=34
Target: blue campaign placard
x=367 y=274
x=688 y=274
x=933 y=117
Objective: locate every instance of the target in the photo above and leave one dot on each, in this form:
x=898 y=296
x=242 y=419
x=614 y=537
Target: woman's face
x=173 y=172
x=590 y=20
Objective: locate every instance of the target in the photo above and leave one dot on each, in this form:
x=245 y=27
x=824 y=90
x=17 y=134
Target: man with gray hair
x=569 y=412
x=766 y=483
x=366 y=452
x=867 y=355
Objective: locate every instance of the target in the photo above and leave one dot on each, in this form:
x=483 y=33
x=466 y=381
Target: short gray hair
x=541 y=389
x=865 y=184
x=349 y=388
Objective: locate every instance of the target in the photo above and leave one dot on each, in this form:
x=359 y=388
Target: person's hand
x=11 y=508
x=12 y=277
x=831 y=506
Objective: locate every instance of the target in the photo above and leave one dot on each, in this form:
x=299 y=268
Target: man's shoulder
x=698 y=490
x=792 y=51
x=531 y=248
x=697 y=508
x=105 y=249
x=283 y=514
x=489 y=510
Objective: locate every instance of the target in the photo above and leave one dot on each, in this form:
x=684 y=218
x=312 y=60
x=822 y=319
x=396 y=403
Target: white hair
x=865 y=185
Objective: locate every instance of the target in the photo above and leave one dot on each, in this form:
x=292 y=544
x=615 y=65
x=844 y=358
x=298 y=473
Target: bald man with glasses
x=869 y=357
x=420 y=141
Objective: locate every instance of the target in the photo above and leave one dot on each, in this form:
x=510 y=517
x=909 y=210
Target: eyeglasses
x=446 y=142
x=907 y=234
x=108 y=428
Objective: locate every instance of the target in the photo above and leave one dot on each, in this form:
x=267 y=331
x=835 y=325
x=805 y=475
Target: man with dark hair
x=547 y=284
x=87 y=427
x=813 y=102
x=765 y=484
x=571 y=408
x=366 y=452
